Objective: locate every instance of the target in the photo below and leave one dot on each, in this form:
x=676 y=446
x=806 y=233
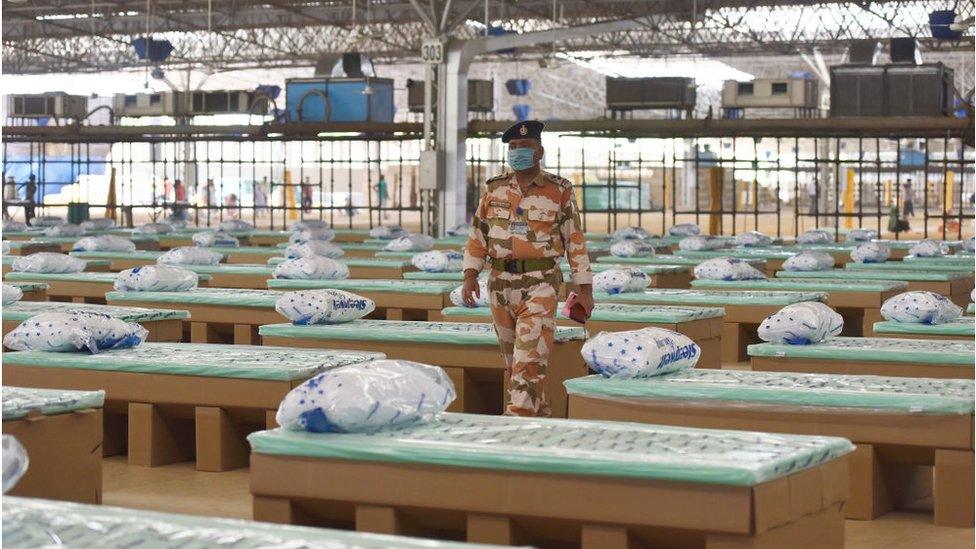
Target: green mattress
x=62 y=277
x=377 y=262
x=910 y=267
x=263 y=232
x=665 y=268
x=254 y=250
x=741 y=253
x=395 y=255
x=200 y=359
x=667 y=296
x=8 y=260
x=230 y=268
x=203 y=296
x=882 y=274
x=456 y=277
x=963 y=326
x=663 y=259
x=867 y=349
x=890 y=394
x=571 y=447
x=137 y=254
x=72 y=239
x=615 y=312
x=911 y=261
x=19 y=401
x=19 y=244
x=451 y=333
x=971 y=309
x=367 y=285
x=826 y=284
x=27 y=287
x=23 y=310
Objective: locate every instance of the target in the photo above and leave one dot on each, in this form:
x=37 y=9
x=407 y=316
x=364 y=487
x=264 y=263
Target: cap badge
x=523 y=130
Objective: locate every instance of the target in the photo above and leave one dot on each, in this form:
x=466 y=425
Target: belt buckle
x=511 y=266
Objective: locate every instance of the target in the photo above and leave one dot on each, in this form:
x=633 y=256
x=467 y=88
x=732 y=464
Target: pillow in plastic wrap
x=15 y=462
x=722 y=268
x=801 y=324
x=631 y=248
x=920 y=308
x=154 y=228
x=410 y=243
x=809 y=261
x=48 y=262
x=385 y=232
x=64 y=230
x=103 y=243
x=74 y=330
x=631 y=233
x=308 y=224
x=815 y=236
x=870 y=252
x=311 y=268
x=156 y=278
x=461 y=229
x=14 y=227
x=325 y=306
x=189 y=255
x=969 y=244
x=98 y=224
x=861 y=235
x=235 y=225
x=685 y=229
x=752 y=238
x=321 y=234
x=640 y=353
x=929 y=248
x=5 y=247
x=699 y=243
x=11 y=294
x=46 y=221
x=217 y=239
x=481 y=300
x=175 y=222
x=321 y=248
x=367 y=397
x=438 y=261
x=616 y=281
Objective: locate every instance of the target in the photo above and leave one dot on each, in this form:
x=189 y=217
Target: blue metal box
x=323 y=99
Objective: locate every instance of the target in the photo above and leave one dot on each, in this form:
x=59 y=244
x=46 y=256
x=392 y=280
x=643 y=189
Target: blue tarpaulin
x=52 y=174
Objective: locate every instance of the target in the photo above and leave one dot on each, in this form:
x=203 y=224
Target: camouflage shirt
x=543 y=222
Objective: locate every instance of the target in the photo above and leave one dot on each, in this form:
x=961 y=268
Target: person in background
x=30 y=198
x=9 y=194
x=179 y=200
x=908 y=200
x=812 y=195
x=382 y=193
x=230 y=203
x=307 y=195
x=261 y=196
x=167 y=190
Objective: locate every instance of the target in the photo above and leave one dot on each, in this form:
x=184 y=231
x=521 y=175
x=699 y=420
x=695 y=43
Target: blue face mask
x=521 y=159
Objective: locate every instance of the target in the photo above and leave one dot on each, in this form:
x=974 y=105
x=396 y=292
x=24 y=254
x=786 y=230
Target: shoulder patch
x=561 y=181
x=498 y=177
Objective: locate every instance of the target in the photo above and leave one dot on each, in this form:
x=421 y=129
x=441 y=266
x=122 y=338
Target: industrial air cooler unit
x=343 y=99
x=891 y=90
x=47 y=105
x=630 y=94
x=481 y=95
x=146 y=104
x=226 y=102
x=771 y=93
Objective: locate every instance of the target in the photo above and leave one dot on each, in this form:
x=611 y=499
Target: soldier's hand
x=585 y=298
x=470 y=291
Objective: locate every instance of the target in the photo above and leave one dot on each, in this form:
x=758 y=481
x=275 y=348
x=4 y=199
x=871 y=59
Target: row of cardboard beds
x=175 y=415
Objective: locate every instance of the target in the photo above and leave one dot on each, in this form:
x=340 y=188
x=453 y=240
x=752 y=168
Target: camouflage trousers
x=523 y=308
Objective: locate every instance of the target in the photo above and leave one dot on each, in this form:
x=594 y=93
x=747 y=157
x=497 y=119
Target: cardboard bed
x=163 y=324
x=948 y=262
x=24 y=247
x=858 y=301
x=773 y=258
x=76 y=287
x=676 y=259
x=956 y=285
x=395 y=299
x=744 y=311
x=897 y=424
x=961 y=328
x=93 y=266
x=33 y=291
x=703 y=325
x=558 y=483
x=468 y=352
x=662 y=276
x=120 y=261
x=369 y=267
x=252 y=255
x=870 y=356
x=62 y=433
x=170 y=402
x=142 y=242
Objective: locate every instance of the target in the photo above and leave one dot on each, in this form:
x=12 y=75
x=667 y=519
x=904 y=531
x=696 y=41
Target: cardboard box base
x=861 y=367
x=65 y=453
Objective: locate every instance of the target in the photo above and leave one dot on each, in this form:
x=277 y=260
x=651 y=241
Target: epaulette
x=561 y=181
x=498 y=177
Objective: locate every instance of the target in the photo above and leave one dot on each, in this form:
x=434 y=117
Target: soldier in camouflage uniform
x=526 y=221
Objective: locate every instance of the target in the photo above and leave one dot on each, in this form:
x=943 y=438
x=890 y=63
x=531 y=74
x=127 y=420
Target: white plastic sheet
x=410 y=243
x=752 y=238
x=308 y=224
x=631 y=233
x=438 y=261
x=74 y=331
x=699 y=243
x=311 y=268
x=14 y=227
x=920 y=308
x=801 y=324
x=5 y=247
x=64 y=230
x=315 y=234
x=46 y=221
x=98 y=224
x=631 y=248
x=367 y=397
x=48 y=263
x=154 y=228
x=11 y=294
x=189 y=255
x=156 y=278
x=809 y=261
x=387 y=232
x=870 y=252
x=324 y=306
x=481 y=300
x=815 y=236
x=862 y=235
x=724 y=268
x=235 y=225
x=461 y=229
x=175 y=222
x=320 y=248
x=15 y=462
x=104 y=243
x=969 y=244
x=617 y=281
x=684 y=229
x=929 y=248
x=640 y=353
x=215 y=239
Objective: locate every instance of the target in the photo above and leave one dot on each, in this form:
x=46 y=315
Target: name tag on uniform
x=499 y=204
x=520 y=228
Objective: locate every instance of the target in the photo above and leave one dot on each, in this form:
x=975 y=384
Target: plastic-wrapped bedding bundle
x=312 y=248
x=308 y=224
x=801 y=324
x=65 y=229
x=49 y=263
x=387 y=232
x=685 y=229
x=217 y=239
x=317 y=234
x=481 y=300
x=189 y=255
x=929 y=248
x=154 y=228
x=311 y=268
x=862 y=235
x=14 y=227
x=438 y=261
x=156 y=278
x=722 y=268
x=870 y=252
x=461 y=229
x=74 y=331
x=5 y=246
x=815 y=236
x=631 y=248
x=752 y=238
x=699 y=243
x=235 y=225
x=809 y=261
x=15 y=462
x=410 y=243
x=11 y=294
x=175 y=222
x=969 y=244
x=325 y=306
x=104 y=243
x=631 y=233
x=98 y=224
x=920 y=308
x=640 y=353
x=617 y=281
x=46 y=221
